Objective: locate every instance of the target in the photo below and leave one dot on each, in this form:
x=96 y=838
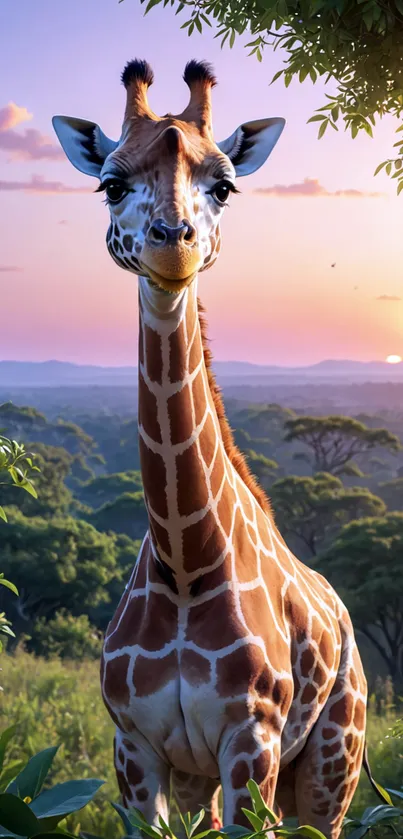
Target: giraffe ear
x=85 y=145
x=250 y=145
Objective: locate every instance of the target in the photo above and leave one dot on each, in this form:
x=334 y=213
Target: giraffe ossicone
x=227 y=658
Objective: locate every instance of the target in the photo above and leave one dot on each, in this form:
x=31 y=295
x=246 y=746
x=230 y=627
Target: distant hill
x=58 y=373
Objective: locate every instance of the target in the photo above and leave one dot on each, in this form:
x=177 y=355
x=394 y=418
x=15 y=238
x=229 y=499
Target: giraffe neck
x=184 y=466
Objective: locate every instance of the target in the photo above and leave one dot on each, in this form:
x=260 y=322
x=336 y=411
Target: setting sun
x=394 y=359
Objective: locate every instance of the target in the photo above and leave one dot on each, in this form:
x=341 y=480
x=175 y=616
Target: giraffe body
x=227 y=658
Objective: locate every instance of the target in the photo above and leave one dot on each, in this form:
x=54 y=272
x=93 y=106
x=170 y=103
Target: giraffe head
x=166 y=180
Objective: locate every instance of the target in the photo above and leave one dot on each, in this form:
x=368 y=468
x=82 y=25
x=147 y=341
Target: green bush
x=67 y=636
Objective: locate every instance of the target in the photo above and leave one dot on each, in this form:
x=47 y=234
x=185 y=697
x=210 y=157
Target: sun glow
x=394 y=359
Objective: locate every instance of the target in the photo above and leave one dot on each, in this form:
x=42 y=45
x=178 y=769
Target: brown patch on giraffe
x=254 y=604
x=202 y=543
x=148 y=412
x=282 y=694
x=141 y=346
x=199 y=393
x=212 y=579
x=326 y=648
x=308 y=694
x=244 y=742
x=134 y=773
x=319 y=676
x=123 y=785
x=153 y=634
x=353 y=679
x=329 y=733
x=152 y=674
x=359 y=715
x=127 y=725
x=261 y=767
x=236 y=457
x=180 y=414
x=340 y=765
x=322 y=809
x=342 y=710
x=297 y=684
x=207 y=440
x=153 y=348
x=342 y=794
x=177 y=354
x=237 y=711
x=330 y=751
x=240 y=775
x=239 y=670
x=214 y=624
x=142 y=794
x=190 y=472
x=195 y=668
x=154 y=479
x=120 y=755
x=296 y=613
x=161 y=538
x=307 y=662
x=217 y=474
x=115 y=687
x=196 y=353
x=349 y=741
x=129 y=746
x=332 y=783
x=225 y=508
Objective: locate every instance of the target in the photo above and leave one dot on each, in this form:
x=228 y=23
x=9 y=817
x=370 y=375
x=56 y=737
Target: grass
x=53 y=702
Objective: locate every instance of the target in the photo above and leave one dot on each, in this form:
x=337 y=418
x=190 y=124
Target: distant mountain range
x=14 y=374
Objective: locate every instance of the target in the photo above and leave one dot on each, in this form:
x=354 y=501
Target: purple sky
x=272 y=297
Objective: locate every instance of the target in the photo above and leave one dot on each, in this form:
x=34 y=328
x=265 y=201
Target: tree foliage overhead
x=356 y=43
x=365 y=565
x=335 y=441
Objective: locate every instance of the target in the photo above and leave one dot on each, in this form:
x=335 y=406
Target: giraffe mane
x=236 y=457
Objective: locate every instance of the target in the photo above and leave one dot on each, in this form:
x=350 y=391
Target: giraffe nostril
x=160 y=233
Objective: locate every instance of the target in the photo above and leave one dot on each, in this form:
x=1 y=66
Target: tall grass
x=55 y=702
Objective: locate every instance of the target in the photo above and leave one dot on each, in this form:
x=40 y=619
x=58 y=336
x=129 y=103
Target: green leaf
x=400 y=187
x=196 y=820
x=255 y=821
x=167 y=830
x=124 y=815
x=5 y=738
x=277 y=76
x=150 y=4
x=30 y=781
x=317 y=118
x=235 y=831
x=9 y=585
x=11 y=772
x=16 y=816
x=378 y=168
x=259 y=805
x=65 y=798
x=6 y=630
x=322 y=129
x=27 y=484
x=388 y=168
x=2 y=514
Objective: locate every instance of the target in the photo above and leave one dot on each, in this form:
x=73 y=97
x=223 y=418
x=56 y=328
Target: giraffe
x=227 y=658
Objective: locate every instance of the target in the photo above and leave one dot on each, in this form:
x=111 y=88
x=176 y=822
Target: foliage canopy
x=356 y=43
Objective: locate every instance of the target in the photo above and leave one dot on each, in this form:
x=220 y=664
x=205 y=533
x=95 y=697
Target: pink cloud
x=388 y=297
x=311 y=188
x=9 y=269
x=12 y=115
x=30 y=144
x=40 y=186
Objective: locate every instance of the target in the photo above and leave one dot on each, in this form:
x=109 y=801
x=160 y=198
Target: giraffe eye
x=115 y=191
x=221 y=192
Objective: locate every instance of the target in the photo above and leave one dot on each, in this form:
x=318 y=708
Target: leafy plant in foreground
x=16 y=462
x=27 y=811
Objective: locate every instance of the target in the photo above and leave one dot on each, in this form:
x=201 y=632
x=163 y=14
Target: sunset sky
x=272 y=297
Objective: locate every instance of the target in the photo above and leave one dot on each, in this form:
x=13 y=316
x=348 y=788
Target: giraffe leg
x=328 y=768
x=244 y=758
x=142 y=776
x=195 y=792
